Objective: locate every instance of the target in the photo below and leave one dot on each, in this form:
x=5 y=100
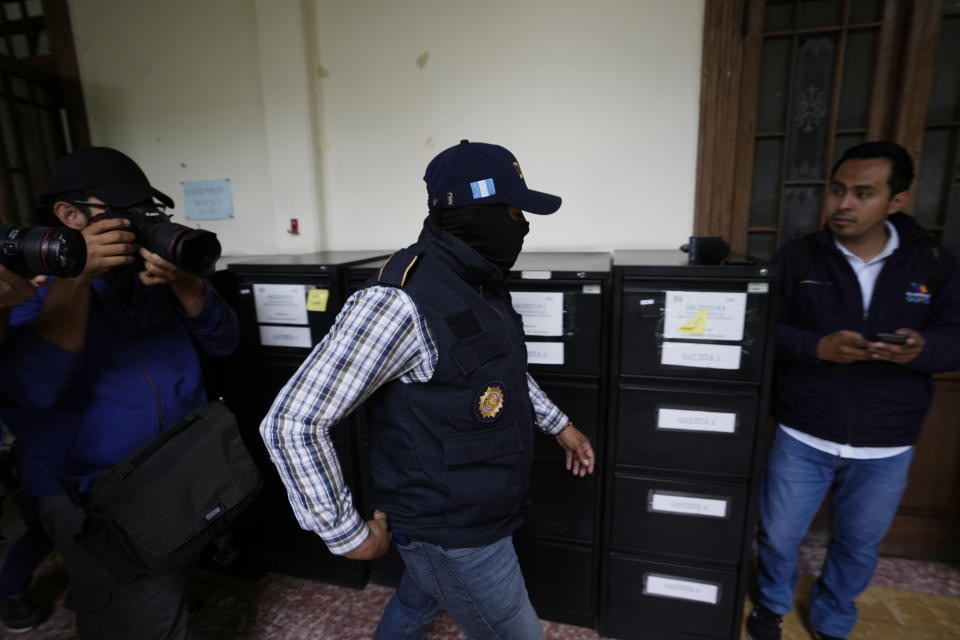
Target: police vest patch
x=489 y=402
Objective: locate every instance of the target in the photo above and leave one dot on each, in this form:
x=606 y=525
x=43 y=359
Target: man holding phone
x=869 y=309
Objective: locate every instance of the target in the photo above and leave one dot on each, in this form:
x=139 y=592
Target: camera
x=193 y=250
x=55 y=251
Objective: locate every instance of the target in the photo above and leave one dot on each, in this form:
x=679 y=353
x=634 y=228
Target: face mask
x=488 y=229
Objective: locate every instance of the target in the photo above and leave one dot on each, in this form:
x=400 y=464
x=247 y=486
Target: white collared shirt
x=867 y=274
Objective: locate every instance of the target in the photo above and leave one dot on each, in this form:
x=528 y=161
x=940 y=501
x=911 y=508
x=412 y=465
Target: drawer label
x=706 y=356
x=544 y=353
x=688 y=505
x=704 y=315
x=542 y=312
x=286 y=303
x=272 y=336
x=683 y=589
x=690 y=420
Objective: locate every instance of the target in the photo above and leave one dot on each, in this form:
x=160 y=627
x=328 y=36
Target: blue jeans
x=480 y=587
x=865 y=498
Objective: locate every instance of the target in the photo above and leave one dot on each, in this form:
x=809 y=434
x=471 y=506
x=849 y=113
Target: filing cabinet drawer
x=689 y=519
x=664 y=600
x=563 y=322
x=560 y=504
x=657 y=338
x=581 y=403
x=686 y=429
x=561 y=579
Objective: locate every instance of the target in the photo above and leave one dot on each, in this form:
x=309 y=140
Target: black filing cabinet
x=564 y=299
x=690 y=379
x=285 y=304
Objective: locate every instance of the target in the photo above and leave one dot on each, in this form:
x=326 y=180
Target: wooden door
x=787 y=86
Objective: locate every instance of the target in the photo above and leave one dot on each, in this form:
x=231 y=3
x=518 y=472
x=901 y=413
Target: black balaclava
x=489 y=229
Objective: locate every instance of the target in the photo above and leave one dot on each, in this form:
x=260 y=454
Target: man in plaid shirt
x=436 y=350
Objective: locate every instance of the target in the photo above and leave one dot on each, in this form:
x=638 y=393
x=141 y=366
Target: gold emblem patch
x=491 y=401
x=516 y=166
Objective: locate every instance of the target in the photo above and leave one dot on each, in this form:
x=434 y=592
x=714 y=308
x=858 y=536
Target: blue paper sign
x=207 y=199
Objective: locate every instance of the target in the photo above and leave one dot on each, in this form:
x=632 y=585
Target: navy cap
x=105 y=173
x=480 y=173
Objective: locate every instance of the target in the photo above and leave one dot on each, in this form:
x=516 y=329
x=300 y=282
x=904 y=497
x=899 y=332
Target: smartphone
x=892 y=338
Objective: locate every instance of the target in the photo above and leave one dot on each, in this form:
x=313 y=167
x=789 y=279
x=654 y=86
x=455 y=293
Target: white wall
x=598 y=100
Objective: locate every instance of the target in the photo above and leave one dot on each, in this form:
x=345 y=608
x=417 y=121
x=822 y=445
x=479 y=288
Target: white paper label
x=688 y=505
x=704 y=315
x=758 y=287
x=687 y=420
x=670 y=587
x=706 y=356
x=281 y=303
x=544 y=353
x=591 y=289
x=273 y=336
x=535 y=275
x=542 y=312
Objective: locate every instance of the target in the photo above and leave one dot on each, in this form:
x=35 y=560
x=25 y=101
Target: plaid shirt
x=379 y=336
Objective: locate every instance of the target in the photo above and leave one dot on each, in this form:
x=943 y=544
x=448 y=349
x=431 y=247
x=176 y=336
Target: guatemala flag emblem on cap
x=483 y=188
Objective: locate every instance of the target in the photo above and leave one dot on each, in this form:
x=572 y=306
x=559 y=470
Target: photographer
x=96 y=366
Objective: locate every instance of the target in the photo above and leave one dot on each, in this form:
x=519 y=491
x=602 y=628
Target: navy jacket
x=876 y=404
x=450 y=458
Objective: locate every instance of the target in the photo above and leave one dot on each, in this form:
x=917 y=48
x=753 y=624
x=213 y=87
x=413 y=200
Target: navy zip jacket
x=864 y=404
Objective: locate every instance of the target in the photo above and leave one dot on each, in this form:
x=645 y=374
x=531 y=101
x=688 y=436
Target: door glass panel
x=778 y=15
x=801 y=212
x=820 y=13
x=866 y=11
x=9 y=134
x=844 y=142
x=20 y=88
x=765 y=191
x=951 y=235
x=945 y=94
x=21 y=46
x=774 y=75
x=22 y=200
x=811 y=108
x=761 y=245
x=857 y=81
x=935 y=163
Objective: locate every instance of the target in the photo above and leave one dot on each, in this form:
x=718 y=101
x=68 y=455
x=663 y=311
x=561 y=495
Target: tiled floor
x=908 y=600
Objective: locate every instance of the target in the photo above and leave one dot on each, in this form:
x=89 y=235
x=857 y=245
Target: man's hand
x=843 y=347
x=579 y=452
x=188 y=288
x=109 y=245
x=377 y=543
x=897 y=353
x=15 y=289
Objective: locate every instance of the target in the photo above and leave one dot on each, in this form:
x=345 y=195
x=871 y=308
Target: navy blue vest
x=450 y=458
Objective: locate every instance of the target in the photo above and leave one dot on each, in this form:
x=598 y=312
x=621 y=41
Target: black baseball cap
x=105 y=173
x=481 y=173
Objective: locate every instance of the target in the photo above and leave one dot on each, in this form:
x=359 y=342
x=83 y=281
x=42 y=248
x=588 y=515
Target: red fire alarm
x=294 y=227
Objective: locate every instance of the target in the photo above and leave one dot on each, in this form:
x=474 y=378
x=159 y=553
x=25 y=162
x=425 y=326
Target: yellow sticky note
x=696 y=324
x=317 y=299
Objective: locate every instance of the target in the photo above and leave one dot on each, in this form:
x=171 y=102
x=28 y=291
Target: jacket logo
x=918 y=293
x=489 y=402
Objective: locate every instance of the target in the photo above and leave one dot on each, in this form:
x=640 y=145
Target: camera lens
x=56 y=251
x=193 y=250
